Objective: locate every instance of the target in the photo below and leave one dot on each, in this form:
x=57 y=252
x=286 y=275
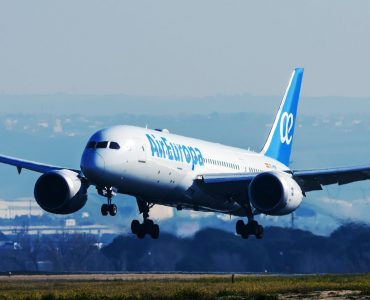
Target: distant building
x=70 y=223
x=19 y=207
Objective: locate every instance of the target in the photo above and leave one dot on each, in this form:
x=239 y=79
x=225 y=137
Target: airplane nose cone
x=92 y=165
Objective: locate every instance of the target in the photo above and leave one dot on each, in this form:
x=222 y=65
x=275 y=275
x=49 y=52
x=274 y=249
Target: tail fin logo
x=286 y=126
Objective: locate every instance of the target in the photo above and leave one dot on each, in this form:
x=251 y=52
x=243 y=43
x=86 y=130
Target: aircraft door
x=243 y=165
x=141 y=152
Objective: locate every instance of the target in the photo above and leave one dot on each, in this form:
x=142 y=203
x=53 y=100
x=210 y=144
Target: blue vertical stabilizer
x=280 y=140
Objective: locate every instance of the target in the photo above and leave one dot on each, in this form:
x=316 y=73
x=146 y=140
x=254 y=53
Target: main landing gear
x=252 y=227
x=108 y=207
x=148 y=226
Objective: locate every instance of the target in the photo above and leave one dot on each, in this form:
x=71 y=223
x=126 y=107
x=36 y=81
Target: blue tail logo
x=279 y=142
x=286 y=126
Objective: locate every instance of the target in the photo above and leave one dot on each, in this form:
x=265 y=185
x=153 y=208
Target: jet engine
x=275 y=193
x=61 y=192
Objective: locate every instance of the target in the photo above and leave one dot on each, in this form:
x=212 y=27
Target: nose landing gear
x=108 y=207
x=148 y=226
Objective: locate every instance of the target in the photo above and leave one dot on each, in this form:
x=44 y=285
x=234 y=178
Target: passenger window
x=114 y=145
x=101 y=145
x=91 y=145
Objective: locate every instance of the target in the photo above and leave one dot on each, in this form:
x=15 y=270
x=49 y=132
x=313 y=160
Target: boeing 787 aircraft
x=158 y=167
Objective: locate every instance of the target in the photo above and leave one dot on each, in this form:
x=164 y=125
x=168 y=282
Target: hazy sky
x=184 y=48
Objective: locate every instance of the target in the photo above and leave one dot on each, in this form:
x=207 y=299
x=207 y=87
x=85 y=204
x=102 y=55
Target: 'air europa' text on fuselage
x=162 y=148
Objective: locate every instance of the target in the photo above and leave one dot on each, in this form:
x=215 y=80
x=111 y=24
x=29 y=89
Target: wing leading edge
x=30 y=165
x=309 y=180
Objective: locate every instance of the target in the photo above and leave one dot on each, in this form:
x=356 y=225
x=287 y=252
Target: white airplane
x=158 y=167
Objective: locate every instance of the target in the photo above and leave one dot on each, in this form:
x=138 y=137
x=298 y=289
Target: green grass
x=244 y=287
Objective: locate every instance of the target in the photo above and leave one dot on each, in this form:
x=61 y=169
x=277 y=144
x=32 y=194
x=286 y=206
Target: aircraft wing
x=313 y=180
x=309 y=180
x=30 y=165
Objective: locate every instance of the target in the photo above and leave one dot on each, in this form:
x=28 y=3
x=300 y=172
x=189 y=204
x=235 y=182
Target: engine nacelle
x=61 y=192
x=275 y=193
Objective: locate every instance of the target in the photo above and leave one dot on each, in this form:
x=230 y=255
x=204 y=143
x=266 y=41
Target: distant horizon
x=113 y=104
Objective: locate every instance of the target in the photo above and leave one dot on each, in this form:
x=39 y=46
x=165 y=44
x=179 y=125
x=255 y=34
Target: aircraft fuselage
x=160 y=167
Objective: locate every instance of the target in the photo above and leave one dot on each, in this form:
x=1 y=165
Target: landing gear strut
x=252 y=227
x=109 y=207
x=148 y=226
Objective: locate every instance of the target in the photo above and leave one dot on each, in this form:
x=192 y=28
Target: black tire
x=113 y=210
x=104 y=209
x=154 y=231
x=141 y=232
x=239 y=226
x=147 y=226
x=135 y=226
x=253 y=227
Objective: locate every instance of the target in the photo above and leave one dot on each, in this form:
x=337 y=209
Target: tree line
x=283 y=250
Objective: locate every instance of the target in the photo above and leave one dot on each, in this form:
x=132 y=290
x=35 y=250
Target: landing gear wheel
x=252 y=228
x=135 y=226
x=239 y=227
x=104 y=209
x=147 y=227
x=113 y=209
x=154 y=231
x=141 y=232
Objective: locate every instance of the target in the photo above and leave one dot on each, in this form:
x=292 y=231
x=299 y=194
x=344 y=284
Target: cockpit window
x=114 y=145
x=91 y=145
x=101 y=145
